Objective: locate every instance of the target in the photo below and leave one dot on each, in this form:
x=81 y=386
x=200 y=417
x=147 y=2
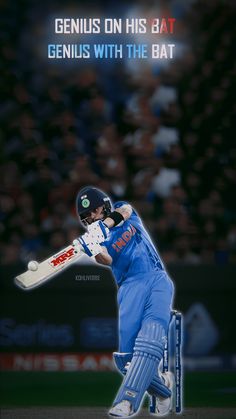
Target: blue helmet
x=90 y=198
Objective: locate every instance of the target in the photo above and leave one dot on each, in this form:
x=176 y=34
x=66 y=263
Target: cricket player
x=116 y=237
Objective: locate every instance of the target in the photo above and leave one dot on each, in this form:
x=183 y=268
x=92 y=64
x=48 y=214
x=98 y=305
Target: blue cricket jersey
x=132 y=249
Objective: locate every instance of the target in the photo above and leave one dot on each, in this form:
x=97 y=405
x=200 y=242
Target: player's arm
x=99 y=231
x=120 y=214
x=116 y=217
x=103 y=257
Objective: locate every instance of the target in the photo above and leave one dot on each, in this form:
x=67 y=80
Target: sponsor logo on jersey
x=62 y=258
x=122 y=241
x=131 y=393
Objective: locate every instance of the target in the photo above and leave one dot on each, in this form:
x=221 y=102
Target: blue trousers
x=141 y=298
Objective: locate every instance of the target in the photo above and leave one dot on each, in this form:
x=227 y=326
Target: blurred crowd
x=159 y=136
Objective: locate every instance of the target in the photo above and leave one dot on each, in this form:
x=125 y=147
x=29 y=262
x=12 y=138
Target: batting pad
x=156 y=388
x=148 y=351
x=121 y=360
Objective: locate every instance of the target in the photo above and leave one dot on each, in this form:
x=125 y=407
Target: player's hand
x=98 y=231
x=90 y=242
x=89 y=247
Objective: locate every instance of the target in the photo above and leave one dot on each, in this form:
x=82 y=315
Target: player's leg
x=134 y=296
x=142 y=373
x=131 y=301
x=157 y=386
x=159 y=309
x=148 y=351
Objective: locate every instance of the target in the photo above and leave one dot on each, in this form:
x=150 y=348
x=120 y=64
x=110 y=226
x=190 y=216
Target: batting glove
x=90 y=242
x=89 y=247
x=98 y=231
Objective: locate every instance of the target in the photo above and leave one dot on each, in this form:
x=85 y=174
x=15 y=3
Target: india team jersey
x=132 y=249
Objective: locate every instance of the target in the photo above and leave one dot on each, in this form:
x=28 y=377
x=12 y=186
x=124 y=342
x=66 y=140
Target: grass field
x=102 y=413
x=25 y=389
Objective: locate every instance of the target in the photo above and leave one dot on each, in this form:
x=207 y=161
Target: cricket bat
x=48 y=268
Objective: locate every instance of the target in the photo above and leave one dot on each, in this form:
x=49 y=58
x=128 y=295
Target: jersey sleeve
x=120 y=204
